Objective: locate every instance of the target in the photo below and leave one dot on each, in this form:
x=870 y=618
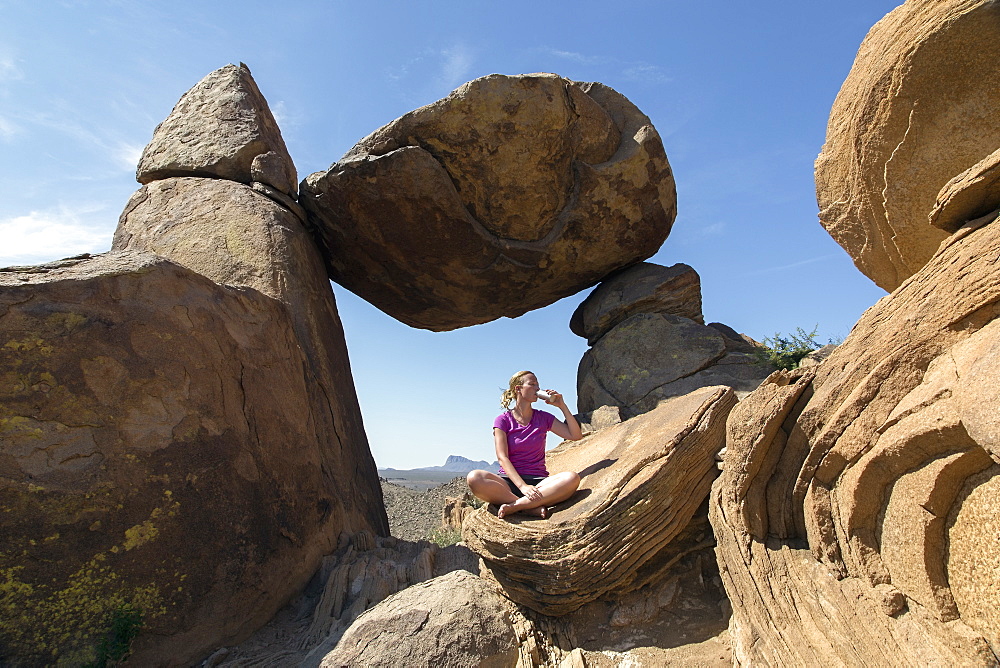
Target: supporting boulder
x=505 y=196
x=642 y=482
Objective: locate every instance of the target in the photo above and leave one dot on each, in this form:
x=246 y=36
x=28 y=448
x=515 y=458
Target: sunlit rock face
x=858 y=490
x=505 y=196
x=642 y=483
x=221 y=128
x=917 y=109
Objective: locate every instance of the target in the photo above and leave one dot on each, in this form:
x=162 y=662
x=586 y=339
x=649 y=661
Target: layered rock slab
x=221 y=128
x=159 y=449
x=510 y=193
x=917 y=109
x=858 y=492
x=642 y=482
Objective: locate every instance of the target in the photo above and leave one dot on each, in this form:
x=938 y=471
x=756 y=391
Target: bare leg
x=554 y=489
x=490 y=487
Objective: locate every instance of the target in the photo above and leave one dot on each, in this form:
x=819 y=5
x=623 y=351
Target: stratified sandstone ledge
x=861 y=493
x=642 y=482
x=505 y=196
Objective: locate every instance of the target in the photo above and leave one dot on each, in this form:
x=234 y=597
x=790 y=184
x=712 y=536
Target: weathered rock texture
x=643 y=288
x=917 y=108
x=649 y=342
x=856 y=515
x=642 y=482
x=455 y=620
x=973 y=193
x=227 y=444
x=158 y=448
x=510 y=193
x=221 y=128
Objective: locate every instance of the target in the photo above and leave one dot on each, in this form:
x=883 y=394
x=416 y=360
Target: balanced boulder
x=918 y=108
x=642 y=482
x=505 y=196
x=866 y=487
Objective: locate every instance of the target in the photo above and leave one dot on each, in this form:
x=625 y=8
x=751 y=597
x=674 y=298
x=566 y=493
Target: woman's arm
x=568 y=429
x=500 y=442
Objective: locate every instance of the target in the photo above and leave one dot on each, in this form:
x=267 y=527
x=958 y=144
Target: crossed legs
x=493 y=489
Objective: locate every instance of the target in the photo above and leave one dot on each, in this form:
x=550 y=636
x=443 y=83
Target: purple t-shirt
x=526 y=443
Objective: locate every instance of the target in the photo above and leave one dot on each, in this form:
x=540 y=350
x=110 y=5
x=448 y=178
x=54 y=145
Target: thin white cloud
x=7 y=129
x=793 y=265
x=645 y=73
x=43 y=236
x=576 y=57
x=456 y=66
x=9 y=71
x=127 y=155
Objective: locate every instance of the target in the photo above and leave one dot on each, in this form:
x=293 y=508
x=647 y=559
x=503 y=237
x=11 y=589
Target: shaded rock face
x=505 y=196
x=457 y=619
x=649 y=342
x=238 y=460
x=158 y=448
x=916 y=110
x=862 y=483
x=220 y=128
x=642 y=482
x=644 y=288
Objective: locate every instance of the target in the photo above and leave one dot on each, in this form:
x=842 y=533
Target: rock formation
x=642 y=482
x=916 y=109
x=180 y=436
x=457 y=619
x=865 y=488
x=649 y=343
x=509 y=194
x=221 y=128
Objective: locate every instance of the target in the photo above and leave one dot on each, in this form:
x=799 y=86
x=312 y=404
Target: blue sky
x=740 y=93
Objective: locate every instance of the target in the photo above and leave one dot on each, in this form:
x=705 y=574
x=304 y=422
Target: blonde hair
x=511 y=392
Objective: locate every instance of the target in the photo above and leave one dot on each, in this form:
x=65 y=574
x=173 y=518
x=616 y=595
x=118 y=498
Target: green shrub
x=123 y=626
x=445 y=536
x=785 y=352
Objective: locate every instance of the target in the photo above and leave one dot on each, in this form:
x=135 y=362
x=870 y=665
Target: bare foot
x=511 y=508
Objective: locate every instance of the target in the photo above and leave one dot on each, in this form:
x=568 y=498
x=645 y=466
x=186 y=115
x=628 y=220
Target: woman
x=524 y=484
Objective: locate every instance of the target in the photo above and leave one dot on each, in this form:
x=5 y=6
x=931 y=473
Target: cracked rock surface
x=918 y=108
x=505 y=196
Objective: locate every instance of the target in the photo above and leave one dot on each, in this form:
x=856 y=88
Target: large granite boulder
x=918 y=108
x=505 y=196
x=642 y=483
x=221 y=128
x=160 y=449
x=457 y=619
x=643 y=288
x=856 y=515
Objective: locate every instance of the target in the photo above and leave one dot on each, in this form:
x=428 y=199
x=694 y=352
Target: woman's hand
x=530 y=492
x=555 y=398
